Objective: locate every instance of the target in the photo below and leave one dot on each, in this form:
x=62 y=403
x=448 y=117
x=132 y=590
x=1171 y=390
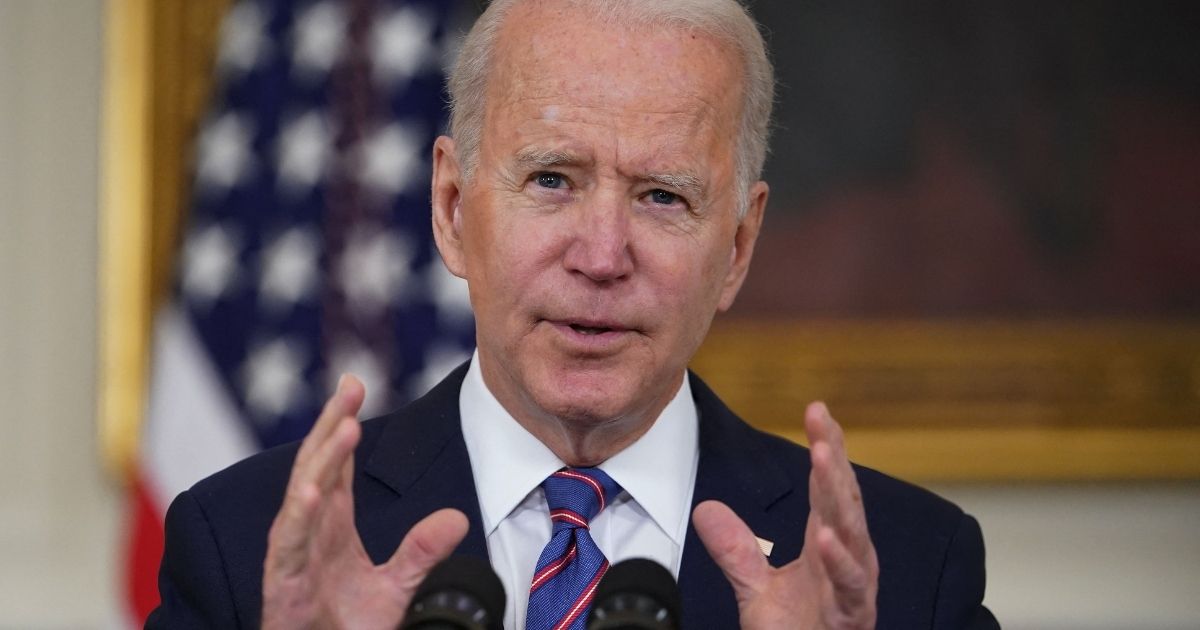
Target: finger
x=833 y=506
x=294 y=525
x=821 y=428
x=347 y=472
x=346 y=400
x=429 y=542
x=817 y=428
x=331 y=439
x=732 y=546
x=287 y=541
x=849 y=577
x=329 y=462
x=307 y=495
x=833 y=486
x=825 y=486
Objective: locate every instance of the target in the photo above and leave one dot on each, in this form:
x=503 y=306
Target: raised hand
x=317 y=574
x=833 y=584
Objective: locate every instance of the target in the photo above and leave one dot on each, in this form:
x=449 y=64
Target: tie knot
x=577 y=495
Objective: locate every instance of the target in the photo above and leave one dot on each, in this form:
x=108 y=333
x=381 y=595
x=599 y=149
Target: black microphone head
x=460 y=593
x=636 y=594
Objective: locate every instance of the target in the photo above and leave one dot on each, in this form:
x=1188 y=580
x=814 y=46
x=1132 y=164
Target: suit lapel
x=735 y=469
x=418 y=465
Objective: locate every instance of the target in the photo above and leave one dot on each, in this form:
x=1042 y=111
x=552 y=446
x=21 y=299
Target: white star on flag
x=243 y=41
x=304 y=152
x=390 y=158
x=319 y=34
x=289 y=268
x=210 y=260
x=402 y=44
x=374 y=266
x=273 y=378
x=223 y=152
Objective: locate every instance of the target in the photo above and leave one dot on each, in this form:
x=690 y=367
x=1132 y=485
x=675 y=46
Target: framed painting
x=983 y=243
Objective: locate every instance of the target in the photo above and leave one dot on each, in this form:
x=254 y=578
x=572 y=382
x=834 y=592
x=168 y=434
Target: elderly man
x=600 y=195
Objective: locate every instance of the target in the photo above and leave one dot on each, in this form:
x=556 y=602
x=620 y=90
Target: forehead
x=559 y=62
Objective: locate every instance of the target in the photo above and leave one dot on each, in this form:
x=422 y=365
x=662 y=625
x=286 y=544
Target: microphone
x=636 y=594
x=460 y=593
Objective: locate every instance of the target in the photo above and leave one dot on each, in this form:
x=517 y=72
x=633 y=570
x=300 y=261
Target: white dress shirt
x=647 y=520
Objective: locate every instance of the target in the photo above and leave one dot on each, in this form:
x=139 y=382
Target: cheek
x=688 y=281
x=516 y=255
x=712 y=263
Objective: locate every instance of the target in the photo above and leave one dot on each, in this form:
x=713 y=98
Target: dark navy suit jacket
x=414 y=461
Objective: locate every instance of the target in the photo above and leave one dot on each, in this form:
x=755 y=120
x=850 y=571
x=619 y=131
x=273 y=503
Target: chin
x=592 y=396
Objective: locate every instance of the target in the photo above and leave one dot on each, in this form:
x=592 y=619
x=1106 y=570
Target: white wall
x=56 y=509
x=1095 y=556
x=1060 y=556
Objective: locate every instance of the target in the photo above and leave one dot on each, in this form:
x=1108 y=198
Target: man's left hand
x=833 y=584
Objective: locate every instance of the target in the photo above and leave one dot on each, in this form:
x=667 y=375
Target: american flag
x=308 y=250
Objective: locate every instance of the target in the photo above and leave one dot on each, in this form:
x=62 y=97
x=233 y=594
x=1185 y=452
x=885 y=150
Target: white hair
x=727 y=21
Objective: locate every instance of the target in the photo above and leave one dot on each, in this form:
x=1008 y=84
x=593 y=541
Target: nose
x=600 y=246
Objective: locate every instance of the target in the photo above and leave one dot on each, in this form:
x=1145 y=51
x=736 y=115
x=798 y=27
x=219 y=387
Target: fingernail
x=341 y=380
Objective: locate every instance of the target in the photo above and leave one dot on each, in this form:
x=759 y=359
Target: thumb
x=429 y=542
x=732 y=546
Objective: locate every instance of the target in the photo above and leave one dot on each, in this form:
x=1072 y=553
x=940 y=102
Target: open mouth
x=589 y=330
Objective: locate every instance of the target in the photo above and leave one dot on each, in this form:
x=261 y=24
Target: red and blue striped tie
x=571 y=565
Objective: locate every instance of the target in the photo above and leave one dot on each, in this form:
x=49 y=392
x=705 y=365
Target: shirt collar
x=508 y=462
x=659 y=469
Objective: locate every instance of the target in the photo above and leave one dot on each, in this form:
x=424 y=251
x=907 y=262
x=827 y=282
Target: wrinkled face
x=599 y=233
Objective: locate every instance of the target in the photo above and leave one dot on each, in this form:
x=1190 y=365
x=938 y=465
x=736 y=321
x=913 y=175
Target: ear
x=446 y=200
x=743 y=245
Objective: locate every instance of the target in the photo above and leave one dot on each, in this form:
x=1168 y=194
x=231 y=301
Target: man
x=600 y=195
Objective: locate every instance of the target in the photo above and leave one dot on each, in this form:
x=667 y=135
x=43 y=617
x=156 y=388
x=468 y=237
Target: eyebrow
x=688 y=183
x=548 y=158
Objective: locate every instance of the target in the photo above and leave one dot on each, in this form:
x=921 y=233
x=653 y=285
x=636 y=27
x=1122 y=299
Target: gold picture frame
x=976 y=400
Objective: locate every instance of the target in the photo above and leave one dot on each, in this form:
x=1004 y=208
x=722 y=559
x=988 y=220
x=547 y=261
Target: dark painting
x=982 y=247
x=999 y=159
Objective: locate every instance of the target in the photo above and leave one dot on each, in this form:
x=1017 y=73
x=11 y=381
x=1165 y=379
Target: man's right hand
x=317 y=574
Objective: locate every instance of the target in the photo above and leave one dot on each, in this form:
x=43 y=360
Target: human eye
x=550 y=180
x=661 y=200
x=662 y=197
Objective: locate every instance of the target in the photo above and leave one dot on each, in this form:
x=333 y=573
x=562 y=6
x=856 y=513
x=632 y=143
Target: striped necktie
x=571 y=565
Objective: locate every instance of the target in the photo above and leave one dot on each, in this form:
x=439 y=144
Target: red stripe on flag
x=143 y=551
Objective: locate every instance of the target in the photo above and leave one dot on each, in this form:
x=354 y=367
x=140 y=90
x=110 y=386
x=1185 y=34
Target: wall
x=1060 y=556
x=56 y=508
x=1090 y=556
